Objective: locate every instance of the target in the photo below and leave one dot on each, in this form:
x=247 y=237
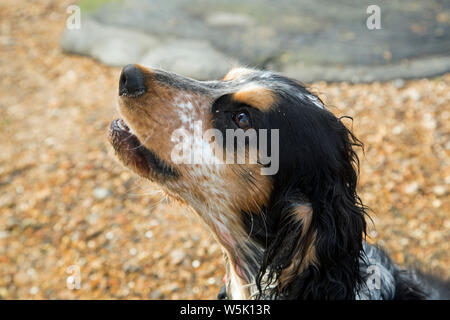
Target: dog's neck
x=242 y=267
x=243 y=255
x=243 y=258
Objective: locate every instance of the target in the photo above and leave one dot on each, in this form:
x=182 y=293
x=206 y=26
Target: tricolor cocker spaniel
x=294 y=231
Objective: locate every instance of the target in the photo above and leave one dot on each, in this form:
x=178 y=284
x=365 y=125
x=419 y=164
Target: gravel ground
x=65 y=201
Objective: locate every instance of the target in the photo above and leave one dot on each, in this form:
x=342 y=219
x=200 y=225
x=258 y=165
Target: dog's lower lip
x=131 y=151
x=122 y=125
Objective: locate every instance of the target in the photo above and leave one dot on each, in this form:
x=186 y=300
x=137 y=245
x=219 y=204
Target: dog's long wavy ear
x=315 y=251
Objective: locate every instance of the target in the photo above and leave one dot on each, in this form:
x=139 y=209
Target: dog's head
x=268 y=168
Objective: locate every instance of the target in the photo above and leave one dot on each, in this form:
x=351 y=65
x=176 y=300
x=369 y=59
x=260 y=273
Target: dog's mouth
x=135 y=155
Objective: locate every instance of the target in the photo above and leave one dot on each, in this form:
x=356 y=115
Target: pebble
x=397 y=129
x=149 y=234
x=399 y=83
x=3 y=292
x=177 y=256
x=411 y=188
x=109 y=235
x=156 y=294
x=4 y=234
x=131 y=268
x=92 y=218
x=171 y=287
x=413 y=94
x=34 y=290
x=439 y=190
x=101 y=193
x=437 y=203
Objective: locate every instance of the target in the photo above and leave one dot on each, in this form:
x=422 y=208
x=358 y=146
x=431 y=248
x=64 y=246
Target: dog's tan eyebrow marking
x=256 y=96
x=236 y=73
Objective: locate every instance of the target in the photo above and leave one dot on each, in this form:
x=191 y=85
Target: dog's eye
x=242 y=119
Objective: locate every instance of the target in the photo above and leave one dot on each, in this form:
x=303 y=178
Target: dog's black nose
x=132 y=82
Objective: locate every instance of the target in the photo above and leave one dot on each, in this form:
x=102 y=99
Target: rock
x=308 y=72
x=411 y=188
x=229 y=19
x=21 y=279
x=101 y=193
x=195 y=264
x=413 y=94
x=437 y=203
x=281 y=37
x=177 y=256
x=156 y=294
x=92 y=218
x=439 y=190
x=119 y=46
x=3 y=292
x=191 y=58
x=149 y=234
x=399 y=83
x=171 y=287
x=4 y=234
x=132 y=268
x=109 y=235
x=111 y=45
x=34 y=290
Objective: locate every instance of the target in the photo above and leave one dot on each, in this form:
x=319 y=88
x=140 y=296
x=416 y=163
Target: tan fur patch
x=250 y=189
x=236 y=73
x=256 y=96
x=305 y=250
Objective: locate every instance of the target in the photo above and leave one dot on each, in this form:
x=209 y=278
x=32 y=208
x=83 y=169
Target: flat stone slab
x=308 y=39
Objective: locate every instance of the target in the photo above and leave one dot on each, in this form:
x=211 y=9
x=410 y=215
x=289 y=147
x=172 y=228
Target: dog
x=296 y=233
